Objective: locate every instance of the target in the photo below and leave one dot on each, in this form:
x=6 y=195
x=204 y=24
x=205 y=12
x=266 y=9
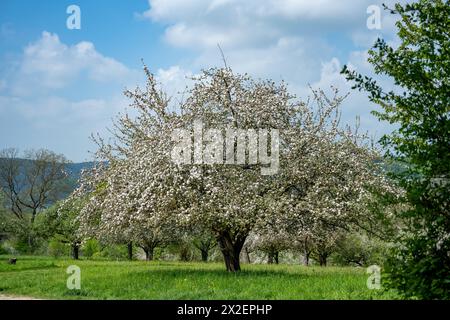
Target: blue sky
x=57 y=86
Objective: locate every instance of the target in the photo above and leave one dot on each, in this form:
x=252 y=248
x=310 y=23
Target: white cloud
x=295 y=40
x=57 y=123
x=200 y=24
x=50 y=64
x=56 y=95
x=287 y=39
x=173 y=79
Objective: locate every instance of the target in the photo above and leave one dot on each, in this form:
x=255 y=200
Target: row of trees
x=34 y=221
x=55 y=232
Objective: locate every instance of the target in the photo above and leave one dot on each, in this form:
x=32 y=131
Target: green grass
x=44 y=277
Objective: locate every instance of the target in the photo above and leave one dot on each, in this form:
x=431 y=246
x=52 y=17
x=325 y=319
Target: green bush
x=57 y=249
x=90 y=248
x=9 y=248
x=359 y=250
x=2 y=249
x=114 y=252
x=16 y=246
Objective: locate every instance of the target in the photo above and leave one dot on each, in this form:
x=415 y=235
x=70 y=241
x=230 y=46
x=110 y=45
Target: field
x=44 y=277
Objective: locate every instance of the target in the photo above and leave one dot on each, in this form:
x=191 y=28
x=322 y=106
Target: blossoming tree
x=322 y=170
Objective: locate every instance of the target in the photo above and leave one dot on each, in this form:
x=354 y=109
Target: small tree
x=59 y=223
x=204 y=241
x=104 y=217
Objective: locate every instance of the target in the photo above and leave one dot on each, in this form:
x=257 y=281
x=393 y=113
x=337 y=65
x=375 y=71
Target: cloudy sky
x=59 y=85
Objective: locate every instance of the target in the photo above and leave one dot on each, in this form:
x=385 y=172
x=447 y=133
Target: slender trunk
x=306 y=251
x=305 y=257
x=231 y=250
x=75 y=250
x=276 y=257
x=130 y=250
x=204 y=255
x=33 y=216
x=30 y=242
x=30 y=235
x=247 y=255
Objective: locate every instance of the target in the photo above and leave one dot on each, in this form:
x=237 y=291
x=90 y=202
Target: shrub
x=359 y=250
x=114 y=252
x=90 y=248
x=57 y=249
x=3 y=250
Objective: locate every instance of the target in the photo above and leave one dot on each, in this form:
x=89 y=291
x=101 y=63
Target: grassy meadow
x=44 y=277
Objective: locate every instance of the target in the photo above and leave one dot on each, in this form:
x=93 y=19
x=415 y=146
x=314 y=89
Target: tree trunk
x=269 y=258
x=306 y=255
x=30 y=242
x=33 y=216
x=231 y=250
x=31 y=232
x=204 y=255
x=247 y=255
x=149 y=253
x=323 y=260
x=273 y=257
x=130 y=250
x=75 y=251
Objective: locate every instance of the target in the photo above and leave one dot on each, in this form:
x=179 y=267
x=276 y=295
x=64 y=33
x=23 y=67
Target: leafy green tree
x=419 y=106
x=359 y=249
x=203 y=240
x=59 y=223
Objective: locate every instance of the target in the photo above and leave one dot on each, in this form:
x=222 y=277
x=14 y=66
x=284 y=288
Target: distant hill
x=74 y=169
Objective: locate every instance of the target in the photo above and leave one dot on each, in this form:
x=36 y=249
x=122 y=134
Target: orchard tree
x=271 y=238
x=115 y=220
x=419 y=106
x=234 y=200
x=234 y=184
x=272 y=243
x=204 y=241
x=332 y=188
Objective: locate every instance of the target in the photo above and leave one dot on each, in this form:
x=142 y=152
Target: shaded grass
x=46 y=278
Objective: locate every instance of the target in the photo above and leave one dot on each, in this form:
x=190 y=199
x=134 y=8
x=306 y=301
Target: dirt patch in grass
x=9 y=297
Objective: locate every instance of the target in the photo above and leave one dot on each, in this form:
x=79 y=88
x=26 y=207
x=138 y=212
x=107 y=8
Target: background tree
x=204 y=241
x=60 y=223
x=419 y=106
x=3 y=215
x=112 y=220
x=272 y=239
x=360 y=249
x=31 y=183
